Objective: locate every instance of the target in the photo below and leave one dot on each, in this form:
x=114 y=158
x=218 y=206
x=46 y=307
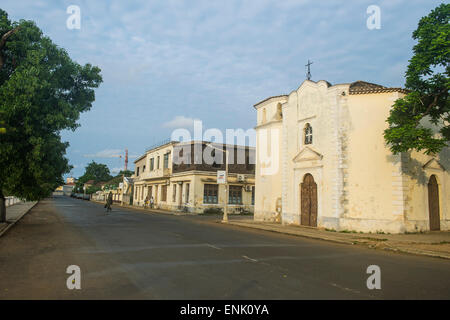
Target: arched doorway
x=308 y=205
x=433 y=203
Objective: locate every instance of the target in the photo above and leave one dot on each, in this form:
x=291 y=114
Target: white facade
x=358 y=184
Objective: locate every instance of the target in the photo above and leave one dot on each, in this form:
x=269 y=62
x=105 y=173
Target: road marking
x=254 y=260
x=212 y=246
x=344 y=288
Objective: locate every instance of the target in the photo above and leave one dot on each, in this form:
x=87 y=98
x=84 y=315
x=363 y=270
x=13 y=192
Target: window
x=187 y=193
x=166 y=160
x=235 y=195
x=174 y=193
x=157 y=163
x=149 y=192
x=253 y=195
x=152 y=164
x=143 y=168
x=164 y=192
x=264 y=116
x=210 y=193
x=279 y=112
x=308 y=134
x=137 y=171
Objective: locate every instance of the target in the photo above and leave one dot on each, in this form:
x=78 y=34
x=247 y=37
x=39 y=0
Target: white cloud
x=116 y=170
x=107 y=153
x=180 y=122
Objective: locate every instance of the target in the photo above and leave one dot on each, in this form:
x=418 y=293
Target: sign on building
x=221 y=177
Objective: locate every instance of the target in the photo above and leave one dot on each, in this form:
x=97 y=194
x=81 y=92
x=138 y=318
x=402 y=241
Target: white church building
x=322 y=161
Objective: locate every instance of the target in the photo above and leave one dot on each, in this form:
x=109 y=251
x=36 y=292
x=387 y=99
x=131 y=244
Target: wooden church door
x=433 y=203
x=308 y=190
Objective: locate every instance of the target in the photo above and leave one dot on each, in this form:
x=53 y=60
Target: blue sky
x=165 y=63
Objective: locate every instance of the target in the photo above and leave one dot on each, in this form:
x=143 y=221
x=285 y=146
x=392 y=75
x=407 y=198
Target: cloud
x=160 y=59
x=116 y=170
x=107 y=153
x=180 y=122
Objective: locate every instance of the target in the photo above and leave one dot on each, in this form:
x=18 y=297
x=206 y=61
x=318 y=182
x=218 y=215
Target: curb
x=18 y=219
x=350 y=242
x=246 y=225
x=419 y=253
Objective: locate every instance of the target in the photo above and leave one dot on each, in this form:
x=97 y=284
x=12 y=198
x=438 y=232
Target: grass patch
x=375 y=239
x=442 y=242
x=348 y=231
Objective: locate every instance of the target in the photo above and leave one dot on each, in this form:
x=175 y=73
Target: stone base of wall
x=355 y=224
x=372 y=225
x=424 y=225
x=269 y=216
x=328 y=223
x=445 y=225
x=290 y=218
x=358 y=225
x=322 y=222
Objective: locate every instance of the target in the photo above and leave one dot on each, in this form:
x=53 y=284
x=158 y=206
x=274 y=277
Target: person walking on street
x=109 y=201
x=151 y=202
x=146 y=202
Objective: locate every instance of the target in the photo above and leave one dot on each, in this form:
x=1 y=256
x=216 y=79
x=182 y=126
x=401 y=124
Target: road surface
x=129 y=254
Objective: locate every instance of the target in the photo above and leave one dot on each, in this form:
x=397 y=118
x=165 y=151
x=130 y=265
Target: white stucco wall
x=268 y=167
x=361 y=185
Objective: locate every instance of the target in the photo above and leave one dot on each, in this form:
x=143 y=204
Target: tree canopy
x=98 y=172
x=427 y=79
x=125 y=173
x=42 y=91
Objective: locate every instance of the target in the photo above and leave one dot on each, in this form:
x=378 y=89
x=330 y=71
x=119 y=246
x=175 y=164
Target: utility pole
x=225 y=209
x=225 y=206
x=123 y=184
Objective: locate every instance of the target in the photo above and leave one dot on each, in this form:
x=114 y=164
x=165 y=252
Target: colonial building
x=178 y=178
x=323 y=162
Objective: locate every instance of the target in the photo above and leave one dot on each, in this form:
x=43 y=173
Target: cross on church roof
x=308 y=73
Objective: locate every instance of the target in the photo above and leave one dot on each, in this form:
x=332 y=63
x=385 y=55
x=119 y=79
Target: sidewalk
x=434 y=244
x=14 y=213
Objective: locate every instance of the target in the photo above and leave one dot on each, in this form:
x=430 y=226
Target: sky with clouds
x=167 y=63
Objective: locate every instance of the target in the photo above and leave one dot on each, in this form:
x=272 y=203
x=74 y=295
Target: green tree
x=98 y=172
x=42 y=91
x=427 y=79
x=125 y=173
x=93 y=189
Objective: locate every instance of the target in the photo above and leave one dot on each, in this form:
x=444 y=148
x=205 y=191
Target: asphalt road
x=129 y=254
